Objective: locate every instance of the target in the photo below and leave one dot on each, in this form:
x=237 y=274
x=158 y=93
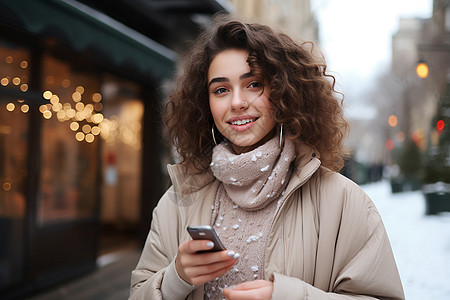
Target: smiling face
x=239 y=101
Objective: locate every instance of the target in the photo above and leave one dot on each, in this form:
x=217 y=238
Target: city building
x=292 y=16
x=425 y=42
x=81 y=148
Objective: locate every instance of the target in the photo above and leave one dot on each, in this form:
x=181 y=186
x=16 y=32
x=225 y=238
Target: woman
x=259 y=128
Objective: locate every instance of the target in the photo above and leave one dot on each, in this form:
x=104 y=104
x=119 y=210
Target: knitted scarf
x=244 y=206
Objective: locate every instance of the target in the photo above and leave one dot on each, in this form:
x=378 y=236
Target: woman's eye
x=219 y=91
x=255 y=84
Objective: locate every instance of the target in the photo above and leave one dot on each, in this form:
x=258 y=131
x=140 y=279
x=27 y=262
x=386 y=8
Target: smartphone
x=206 y=232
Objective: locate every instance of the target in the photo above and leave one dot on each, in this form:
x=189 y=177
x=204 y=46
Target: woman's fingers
x=197 y=268
x=194 y=246
x=211 y=274
x=249 y=285
x=257 y=290
x=199 y=259
x=199 y=273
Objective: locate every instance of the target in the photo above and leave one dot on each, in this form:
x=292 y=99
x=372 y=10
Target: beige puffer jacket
x=327 y=240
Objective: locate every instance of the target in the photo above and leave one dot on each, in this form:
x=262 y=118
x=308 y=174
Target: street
x=421 y=243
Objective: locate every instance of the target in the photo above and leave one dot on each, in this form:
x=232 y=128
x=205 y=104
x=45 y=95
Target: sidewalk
x=420 y=242
x=111 y=281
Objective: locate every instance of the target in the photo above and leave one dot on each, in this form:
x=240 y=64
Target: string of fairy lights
x=82 y=112
x=84 y=118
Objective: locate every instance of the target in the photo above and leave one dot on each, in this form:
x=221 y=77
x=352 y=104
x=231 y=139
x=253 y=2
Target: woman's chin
x=248 y=144
x=242 y=147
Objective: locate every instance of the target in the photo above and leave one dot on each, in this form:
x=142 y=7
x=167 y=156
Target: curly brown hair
x=303 y=95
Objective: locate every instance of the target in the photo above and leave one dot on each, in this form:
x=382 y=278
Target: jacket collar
x=306 y=164
x=186 y=182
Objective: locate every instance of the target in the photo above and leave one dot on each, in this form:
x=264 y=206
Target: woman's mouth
x=243 y=121
x=243 y=124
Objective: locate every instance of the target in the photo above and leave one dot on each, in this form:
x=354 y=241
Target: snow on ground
x=421 y=243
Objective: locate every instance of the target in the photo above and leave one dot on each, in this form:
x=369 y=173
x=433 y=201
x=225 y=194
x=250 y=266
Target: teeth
x=241 y=122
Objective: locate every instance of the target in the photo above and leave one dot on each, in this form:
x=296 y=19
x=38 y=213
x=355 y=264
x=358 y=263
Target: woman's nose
x=238 y=102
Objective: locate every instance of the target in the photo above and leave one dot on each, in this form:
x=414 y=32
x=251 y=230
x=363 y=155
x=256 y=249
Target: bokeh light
x=393 y=120
x=422 y=70
x=389 y=144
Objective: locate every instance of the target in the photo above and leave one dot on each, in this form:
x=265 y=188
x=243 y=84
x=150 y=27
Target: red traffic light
x=440 y=125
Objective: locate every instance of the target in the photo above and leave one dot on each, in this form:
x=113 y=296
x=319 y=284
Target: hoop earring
x=212 y=132
x=281 y=135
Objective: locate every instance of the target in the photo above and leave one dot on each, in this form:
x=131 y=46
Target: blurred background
x=83 y=152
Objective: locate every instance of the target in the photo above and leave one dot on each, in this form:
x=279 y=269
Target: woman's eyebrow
x=218 y=79
x=226 y=79
x=246 y=75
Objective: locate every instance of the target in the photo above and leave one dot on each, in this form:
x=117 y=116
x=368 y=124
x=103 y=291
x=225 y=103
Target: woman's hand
x=198 y=268
x=258 y=290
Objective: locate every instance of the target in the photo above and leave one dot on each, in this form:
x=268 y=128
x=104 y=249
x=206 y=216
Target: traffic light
x=440 y=125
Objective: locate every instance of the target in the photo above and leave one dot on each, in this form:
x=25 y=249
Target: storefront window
x=122 y=154
x=14 y=66
x=69 y=184
x=14 y=120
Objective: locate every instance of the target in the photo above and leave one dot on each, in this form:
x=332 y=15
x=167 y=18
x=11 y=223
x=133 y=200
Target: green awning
x=85 y=28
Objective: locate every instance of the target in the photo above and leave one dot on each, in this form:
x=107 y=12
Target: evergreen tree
x=410 y=161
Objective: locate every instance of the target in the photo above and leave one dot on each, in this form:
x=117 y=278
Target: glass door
x=13 y=173
x=64 y=231
x=14 y=131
